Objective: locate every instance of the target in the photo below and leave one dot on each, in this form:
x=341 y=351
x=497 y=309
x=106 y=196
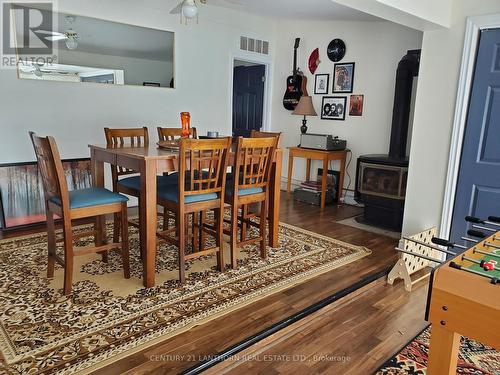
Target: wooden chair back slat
x=254 y=157
x=206 y=162
x=260 y=134
x=171 y=134
x=51 y=169
x=127 y=137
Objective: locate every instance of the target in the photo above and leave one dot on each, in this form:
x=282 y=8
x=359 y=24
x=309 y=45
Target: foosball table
x=464 y=296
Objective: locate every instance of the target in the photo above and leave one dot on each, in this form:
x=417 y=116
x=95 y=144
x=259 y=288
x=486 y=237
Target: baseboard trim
x=251 y=340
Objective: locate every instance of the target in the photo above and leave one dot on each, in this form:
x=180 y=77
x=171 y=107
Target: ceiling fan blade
x=47 y=32
x=55 y=38
x=177 y=9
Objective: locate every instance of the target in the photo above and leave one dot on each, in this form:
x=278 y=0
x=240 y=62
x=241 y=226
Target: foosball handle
x=476 y=233
x=473 y=219
x=455 y=265
x=442 y=242
x=495 y=219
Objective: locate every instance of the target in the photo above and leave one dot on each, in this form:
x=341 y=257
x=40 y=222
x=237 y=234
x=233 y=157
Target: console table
x=326 y=156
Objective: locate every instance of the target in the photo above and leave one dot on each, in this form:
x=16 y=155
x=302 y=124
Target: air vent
x=254 y=45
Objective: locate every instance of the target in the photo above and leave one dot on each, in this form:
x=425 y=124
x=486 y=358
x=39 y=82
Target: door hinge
x=263 y=78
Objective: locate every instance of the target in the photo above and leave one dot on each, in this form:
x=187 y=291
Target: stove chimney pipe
x=407 y=69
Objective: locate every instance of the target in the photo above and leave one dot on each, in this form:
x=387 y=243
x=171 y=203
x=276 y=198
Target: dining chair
x=127 y=181
x=249 y=183
x=200 y=187
x=172 y=134
x=262 y=134
x=77 y=204
x=245 y=209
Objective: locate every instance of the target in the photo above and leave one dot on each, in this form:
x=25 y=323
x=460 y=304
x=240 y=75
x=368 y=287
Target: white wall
x=435 y=106
x=76 y=113
x=376 y=48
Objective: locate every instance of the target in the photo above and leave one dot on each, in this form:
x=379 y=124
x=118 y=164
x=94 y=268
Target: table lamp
x=304 y=108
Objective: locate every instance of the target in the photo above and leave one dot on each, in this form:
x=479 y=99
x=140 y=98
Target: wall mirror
x=94 y=50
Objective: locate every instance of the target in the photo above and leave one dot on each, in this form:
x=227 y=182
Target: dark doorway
x=248 y=97
x=478 y=187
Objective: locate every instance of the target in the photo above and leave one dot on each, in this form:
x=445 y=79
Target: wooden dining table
x=152 y=161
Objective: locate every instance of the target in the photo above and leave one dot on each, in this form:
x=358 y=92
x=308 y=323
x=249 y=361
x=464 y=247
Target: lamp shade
x=305 y=107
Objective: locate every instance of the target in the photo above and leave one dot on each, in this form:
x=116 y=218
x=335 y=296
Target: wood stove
x=381 y=179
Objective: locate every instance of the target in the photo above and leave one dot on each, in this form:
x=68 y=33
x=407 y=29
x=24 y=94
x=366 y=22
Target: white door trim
x=266 y=110
x=474 y=27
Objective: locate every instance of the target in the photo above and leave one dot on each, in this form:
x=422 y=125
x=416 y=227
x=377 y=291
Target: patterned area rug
x=108 y=317
x=474 y=358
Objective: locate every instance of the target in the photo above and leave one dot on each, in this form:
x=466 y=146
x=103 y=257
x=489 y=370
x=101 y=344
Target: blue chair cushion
x=94 y=196
x=134 y=182
x=242 y=192
x=171 y=193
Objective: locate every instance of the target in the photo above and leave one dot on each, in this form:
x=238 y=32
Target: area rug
x=474 y=358
x=108 y=317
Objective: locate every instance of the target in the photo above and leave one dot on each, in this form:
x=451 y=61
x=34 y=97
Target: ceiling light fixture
x=71 y=43
x=189 y=9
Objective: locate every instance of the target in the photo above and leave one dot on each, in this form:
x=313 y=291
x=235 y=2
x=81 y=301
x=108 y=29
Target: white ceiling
x=296 y=9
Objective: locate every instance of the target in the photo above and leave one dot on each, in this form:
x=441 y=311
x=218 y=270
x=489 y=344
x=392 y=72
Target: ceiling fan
x=187 y=9
x=70 y=36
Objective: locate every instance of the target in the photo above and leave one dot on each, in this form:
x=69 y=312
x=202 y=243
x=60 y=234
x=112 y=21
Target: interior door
x=478 y=189
x=248 y=99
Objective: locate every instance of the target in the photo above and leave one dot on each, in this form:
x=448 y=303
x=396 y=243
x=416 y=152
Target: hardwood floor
x=183 y=351
x=365 y=315
x=355 y=335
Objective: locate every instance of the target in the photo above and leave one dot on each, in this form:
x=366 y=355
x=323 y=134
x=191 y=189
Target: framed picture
x=343 y=77
x=151 y=84
x=21 y=191
x=333 y=107
x=321 y=84
x=356 y=105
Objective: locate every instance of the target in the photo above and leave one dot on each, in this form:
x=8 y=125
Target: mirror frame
x=174 y=60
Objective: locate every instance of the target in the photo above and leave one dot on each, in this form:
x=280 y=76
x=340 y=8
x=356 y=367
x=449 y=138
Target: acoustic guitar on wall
x=296 y=84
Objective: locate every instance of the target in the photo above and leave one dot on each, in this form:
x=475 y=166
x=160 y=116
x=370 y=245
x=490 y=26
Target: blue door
x=478 y=189
x=248 y=99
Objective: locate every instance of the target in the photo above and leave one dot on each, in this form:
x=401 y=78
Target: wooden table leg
x=308 y=170
x=323 y=182
x=148 y=220
x=97 y=170
x=443 y=351
x=274 y=201
x=290 y=170
x=341 y=178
